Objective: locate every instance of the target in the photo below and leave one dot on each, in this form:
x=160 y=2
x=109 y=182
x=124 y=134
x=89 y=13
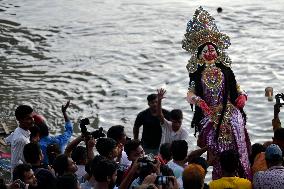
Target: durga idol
x=219 y=117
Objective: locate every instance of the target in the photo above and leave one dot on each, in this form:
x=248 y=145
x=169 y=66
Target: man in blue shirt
x=59 y=140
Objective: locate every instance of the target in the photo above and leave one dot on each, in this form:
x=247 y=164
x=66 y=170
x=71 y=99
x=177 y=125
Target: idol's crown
x=202 y=29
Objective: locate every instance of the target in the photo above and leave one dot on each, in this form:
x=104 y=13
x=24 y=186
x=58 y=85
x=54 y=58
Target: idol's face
x=209 y=54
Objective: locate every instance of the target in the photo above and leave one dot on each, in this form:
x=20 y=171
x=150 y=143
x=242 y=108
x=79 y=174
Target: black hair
x=32 y=153
x=229 y=161
x=230 y=91
x=60 y=164
x=179 y=149
x=131 y=145
x=115 y=132
x=151 y=97
x=104 y=168
x=45 y=179
x=68 y=181
x=19 y=171
x=34 y=131
x=105 y=146
x=93 y=164
x=176 y=114
x=43 y=129
x=79 y=154
x=279 y=134
x=52 y=151
x=22 y=111
x=255 y=149
x=165 y=151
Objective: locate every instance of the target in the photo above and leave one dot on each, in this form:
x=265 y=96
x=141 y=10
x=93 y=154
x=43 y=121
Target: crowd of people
x=161 y=158
x=42 y=161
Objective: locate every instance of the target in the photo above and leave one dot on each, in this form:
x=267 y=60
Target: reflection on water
x=107 y=56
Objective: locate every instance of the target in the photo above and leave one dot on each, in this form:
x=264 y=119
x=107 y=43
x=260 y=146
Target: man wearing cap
x=260 y=163
x=273 y=177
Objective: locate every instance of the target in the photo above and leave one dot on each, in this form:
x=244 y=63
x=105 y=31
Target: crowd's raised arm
x=121 y=162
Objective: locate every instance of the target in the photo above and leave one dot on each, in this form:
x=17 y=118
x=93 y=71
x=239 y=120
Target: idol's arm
x=240 y=91
x=242 y=97
x=192 y=98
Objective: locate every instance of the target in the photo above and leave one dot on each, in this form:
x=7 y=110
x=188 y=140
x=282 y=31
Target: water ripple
x=107 y=56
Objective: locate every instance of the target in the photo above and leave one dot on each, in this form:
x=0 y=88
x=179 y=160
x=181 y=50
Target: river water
x=106 y=56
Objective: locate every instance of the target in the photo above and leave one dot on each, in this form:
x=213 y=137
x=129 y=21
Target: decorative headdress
x=200 y=30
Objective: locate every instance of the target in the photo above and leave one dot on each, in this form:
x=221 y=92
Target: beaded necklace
x=212 y=76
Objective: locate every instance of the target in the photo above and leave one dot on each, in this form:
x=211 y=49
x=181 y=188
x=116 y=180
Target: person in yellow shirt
x=229 y=161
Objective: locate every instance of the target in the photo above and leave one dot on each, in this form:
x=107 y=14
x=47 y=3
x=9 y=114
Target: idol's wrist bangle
x=244 y=93
x=241 y=92
x=196 y=100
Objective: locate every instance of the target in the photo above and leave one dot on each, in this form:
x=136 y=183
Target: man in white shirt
x=168 y=133
x=21 y=136
x=171 y=130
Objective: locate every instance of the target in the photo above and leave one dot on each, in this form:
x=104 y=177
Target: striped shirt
x=18 y=139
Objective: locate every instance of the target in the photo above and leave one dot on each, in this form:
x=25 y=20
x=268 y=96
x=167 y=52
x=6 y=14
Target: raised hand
x=64 y=108
x=276 y=110
x=160 y=93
